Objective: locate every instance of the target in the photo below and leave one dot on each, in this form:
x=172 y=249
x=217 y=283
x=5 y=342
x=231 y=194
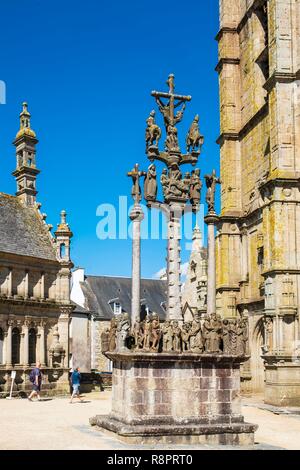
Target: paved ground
x=56 y=424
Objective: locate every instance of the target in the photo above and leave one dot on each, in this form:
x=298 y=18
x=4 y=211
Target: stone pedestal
x=176 y=398
x=282 y=380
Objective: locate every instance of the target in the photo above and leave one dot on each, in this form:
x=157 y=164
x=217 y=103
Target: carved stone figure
x=241 y=343
x=186 y=183
x=147 y=333
x=172 y=139
x=196 y=340
x=123 y=330
x=153 y=131
x=167 y=332
x=194 y=139
x=212 y=330
x=150 y=185
x=195 y=187
x=233 y=336
x=269 y=333
x=155 y=332
x=137 y=333
x=211 y=182
x=226 y=337
x=136 y=192
x=112 y=334
x=175 y=181
x=176 y=337
x=105 y=341
x=242 y=336
x=165 y=182
x=185 y=336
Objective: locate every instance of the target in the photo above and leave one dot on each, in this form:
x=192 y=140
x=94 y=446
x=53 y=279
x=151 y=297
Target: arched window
x=32 y=346
x=15 y=346
x=1 y=345
x=62 y=251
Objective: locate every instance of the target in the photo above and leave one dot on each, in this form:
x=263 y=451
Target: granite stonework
x=176 y=398
x=282 y=381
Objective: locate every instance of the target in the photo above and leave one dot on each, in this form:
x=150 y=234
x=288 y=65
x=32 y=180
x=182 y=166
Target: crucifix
x=174 y=101
x=136 y=192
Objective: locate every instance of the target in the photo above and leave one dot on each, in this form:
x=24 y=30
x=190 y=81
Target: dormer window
x=117 y=308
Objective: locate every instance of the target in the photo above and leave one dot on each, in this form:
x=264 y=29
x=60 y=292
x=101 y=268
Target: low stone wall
x=176 y=398
x=55 y=382
x=282 y=381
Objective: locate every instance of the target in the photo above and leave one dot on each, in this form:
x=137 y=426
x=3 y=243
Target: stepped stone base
x=176 y=398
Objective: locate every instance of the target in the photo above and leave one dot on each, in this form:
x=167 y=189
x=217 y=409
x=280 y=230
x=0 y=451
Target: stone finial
x=63 y=227
x=25 y=129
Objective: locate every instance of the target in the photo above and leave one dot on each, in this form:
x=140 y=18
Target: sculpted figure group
x=210 y=335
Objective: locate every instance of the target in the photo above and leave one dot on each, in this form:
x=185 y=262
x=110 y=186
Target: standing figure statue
x=150 y=185
x=212 y=330
x=153 y=132
x=137 y=333
x=176 y=337
x=196 y=340
x=226 y=338
x=211 y=182
x=167 y=332
x=242 y=336
x=195 y=188
x=185 y=336
x=155 y=332
x=147 y=334
x=194 y=139
x=233 y=336
x=123 y=330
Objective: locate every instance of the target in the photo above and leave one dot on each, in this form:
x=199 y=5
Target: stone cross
x=168 y=110
x=135 y=174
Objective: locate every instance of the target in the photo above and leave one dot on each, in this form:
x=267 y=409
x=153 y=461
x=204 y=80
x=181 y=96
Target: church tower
x=26 y=171
x=258 y=239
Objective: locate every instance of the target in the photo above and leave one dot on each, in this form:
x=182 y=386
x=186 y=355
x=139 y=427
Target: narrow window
x=1 y=345
x=62 y=250
x=16 y=346
x=32 y=346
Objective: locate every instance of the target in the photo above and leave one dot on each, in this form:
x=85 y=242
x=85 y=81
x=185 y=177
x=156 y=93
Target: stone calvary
x=177 y=381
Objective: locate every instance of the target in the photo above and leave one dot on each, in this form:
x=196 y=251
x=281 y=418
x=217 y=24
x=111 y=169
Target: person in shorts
x=75 y=380
x=35 y=378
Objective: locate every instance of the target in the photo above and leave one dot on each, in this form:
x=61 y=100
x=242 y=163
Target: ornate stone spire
x=26 y=171
x=197 y=239
x=63 y=235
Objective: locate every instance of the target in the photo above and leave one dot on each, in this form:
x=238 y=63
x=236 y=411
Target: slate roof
x=22 y=231
x=99 y=290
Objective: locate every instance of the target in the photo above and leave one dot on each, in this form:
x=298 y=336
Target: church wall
x=80 y=342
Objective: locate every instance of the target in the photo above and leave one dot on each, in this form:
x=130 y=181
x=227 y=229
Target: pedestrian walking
x=75 y=380
x=35 y=378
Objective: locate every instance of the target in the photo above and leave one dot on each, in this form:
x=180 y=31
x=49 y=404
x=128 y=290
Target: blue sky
x=87 y=70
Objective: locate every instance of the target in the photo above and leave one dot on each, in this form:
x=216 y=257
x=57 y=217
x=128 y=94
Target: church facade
x=258 y=237
x=35 y=271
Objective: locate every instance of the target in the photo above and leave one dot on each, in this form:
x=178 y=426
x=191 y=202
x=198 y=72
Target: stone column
x=174 y=310
x=25 y=359
x=9 y=345
x=211 y=220
x=136 y=216
x=42 y=343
